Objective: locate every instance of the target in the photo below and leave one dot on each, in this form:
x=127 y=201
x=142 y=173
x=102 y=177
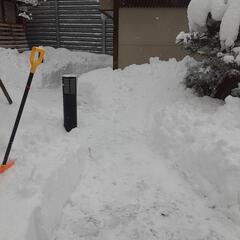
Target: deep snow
x=160 y=159
x=226 y=11
x=49 y=162
x=149 y=160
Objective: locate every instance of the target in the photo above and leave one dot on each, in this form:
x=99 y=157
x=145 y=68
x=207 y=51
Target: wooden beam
x=115 y=33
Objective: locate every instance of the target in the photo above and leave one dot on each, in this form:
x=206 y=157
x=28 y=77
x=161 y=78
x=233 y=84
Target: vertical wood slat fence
x=72 y=24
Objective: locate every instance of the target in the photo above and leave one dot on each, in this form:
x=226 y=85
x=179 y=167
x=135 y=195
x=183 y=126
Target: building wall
x=12 y=31
x=106 y=4
x=149 y=32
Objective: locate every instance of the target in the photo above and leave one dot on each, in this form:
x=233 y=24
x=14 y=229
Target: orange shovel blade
x=5 y=167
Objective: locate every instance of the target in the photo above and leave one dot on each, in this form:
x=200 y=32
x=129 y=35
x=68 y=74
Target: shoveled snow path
x=128 y=190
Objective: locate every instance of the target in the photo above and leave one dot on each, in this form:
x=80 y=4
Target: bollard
x=69 y=84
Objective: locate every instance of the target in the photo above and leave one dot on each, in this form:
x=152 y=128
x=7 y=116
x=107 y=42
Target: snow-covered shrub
x=206 y=76
x=214 y=33
x=24 y=7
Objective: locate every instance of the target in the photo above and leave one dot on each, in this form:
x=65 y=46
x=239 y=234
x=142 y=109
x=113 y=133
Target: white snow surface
x=227 y=11
x=149 y=160
x=49 y=162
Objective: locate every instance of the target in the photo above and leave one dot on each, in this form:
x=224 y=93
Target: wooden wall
x=149 y=32
x=12 y=30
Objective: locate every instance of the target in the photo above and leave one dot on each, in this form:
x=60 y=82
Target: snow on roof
x=227 y=11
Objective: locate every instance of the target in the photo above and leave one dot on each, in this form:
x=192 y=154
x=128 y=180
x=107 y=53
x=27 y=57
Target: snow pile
x=155 y=161
x=163 y=164
x=49 y=161
x=197 y=135
x=57 y=62
x=63 y=61
x=227 y=11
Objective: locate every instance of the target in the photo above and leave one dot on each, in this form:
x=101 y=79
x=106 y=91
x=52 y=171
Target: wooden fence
x=72 y=24
x=13 y=36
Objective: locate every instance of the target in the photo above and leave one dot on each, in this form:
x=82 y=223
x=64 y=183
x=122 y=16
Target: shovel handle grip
x=35 y=62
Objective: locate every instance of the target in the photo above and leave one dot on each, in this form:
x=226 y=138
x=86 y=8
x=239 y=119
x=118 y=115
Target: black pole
x=5 y=92
x=27 y=88
x=69 y=84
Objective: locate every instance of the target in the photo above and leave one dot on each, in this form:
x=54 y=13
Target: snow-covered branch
x=225 y=11
x=24 y=7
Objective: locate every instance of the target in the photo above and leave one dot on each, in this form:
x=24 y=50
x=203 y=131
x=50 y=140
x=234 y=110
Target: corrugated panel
x=73 y=24
x=41 y=30
x=13 y=36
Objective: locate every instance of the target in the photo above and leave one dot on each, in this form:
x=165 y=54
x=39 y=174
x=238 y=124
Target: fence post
x=116 y=6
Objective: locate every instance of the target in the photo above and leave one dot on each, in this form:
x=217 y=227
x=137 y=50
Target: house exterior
x=12 y=30
x=145 y=28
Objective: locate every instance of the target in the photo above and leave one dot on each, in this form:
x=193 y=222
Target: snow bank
x=57 y=62
x=198 y=136
x=164 y=163
x=50 y=162
x=57 y=185
x=38 y=189
x=63 y=61
x=160 y=162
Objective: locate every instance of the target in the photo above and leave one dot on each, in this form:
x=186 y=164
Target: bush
x=219 y=65
x=205 y=77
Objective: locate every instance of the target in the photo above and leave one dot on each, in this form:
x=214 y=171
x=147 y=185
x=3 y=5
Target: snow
x=227 y=11
x=228 y=59
x=197 y=15
x=149 y=160
x=24 y=15
x=31 y=2
x=229 y=29
x=48 y=164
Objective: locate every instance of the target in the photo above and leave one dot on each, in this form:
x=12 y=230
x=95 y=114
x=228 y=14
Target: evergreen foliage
x=206 y=76
x=24 y=7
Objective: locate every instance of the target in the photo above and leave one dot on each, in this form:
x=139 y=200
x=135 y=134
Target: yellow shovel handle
x=35 y=62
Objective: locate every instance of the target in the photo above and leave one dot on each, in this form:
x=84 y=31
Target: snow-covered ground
x=149 y=160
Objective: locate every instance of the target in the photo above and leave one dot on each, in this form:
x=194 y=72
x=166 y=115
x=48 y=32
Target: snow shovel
x=5 y=92
x=35 y=62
